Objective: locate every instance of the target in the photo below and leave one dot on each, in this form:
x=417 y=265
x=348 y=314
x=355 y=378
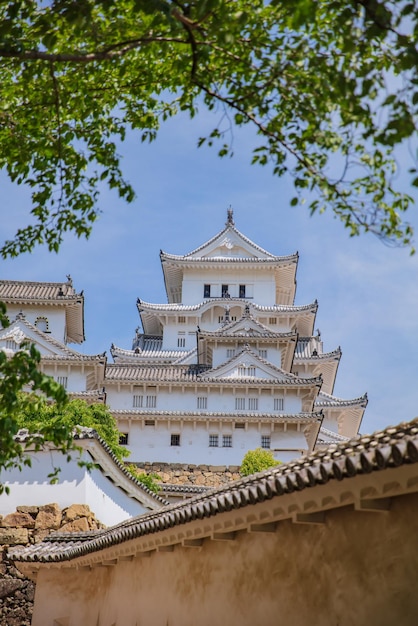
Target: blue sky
x=367 y=292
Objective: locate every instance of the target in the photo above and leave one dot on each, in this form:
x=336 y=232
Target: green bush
x=149 y=480
x=256 y=461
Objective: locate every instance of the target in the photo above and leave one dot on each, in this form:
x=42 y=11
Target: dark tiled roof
x=169 y=488
x=19 y=290
x=326 y=400
x=193 y=374
x=391 y=447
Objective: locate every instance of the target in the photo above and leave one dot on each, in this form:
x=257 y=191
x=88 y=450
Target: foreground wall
x=358 y=567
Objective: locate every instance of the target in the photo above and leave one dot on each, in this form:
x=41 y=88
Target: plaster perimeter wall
x=359 y=568
x=31 y=487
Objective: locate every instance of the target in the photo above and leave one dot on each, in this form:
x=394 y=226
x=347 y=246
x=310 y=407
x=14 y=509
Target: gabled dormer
x=229 y=265
x=82 y=375
x=56 y=308
x=215 y=347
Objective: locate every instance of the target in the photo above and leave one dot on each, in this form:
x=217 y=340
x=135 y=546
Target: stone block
x=8 y=587
x=78 y=525
x=13 y=536
x=18 y=520
x=49 y=517
x=31 y=510
x=75 y=511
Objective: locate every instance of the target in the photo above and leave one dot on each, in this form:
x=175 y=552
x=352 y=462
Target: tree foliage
x=37 y=415
x=17 y=373
x=331 y=88
x=150 y=480
x=256 y=461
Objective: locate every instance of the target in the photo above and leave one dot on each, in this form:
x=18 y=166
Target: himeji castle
x=228 y=364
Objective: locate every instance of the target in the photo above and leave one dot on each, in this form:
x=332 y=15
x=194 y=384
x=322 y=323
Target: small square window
x=225 y=292
x=182 y=319
x=265 y=441
x=263 y=354
x=175 y=440
x=230 y=352
x=213 y=441
x=227 y=441
x=123 y=439
x=11 y=344
x=272 y=320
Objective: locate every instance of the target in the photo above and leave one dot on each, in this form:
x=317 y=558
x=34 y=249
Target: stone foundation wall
x=183 y=474
x=30 y=524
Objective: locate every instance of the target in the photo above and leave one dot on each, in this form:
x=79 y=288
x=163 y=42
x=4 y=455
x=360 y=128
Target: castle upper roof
x=229 y=248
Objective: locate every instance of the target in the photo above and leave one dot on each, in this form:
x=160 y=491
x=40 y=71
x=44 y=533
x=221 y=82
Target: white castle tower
x=228 y=364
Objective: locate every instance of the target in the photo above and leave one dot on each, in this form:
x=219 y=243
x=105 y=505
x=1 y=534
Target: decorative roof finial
x=230 y=216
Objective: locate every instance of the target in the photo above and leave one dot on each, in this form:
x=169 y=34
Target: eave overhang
x=300 y=319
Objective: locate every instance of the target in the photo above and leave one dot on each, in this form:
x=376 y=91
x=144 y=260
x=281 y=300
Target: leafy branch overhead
x=330 y=87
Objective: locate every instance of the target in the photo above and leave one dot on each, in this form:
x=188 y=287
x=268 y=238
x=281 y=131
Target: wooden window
x=206 y=291
x=123 y=439
x=62 y=380
x=181 y=340
x=240 y=425
x=263 y=354
x=224 y=291
x=151 y=402
x=278 y=404
x=149 y=422
x=182 y=319
x=253 y=404
x=246 y=371
x=213 y=441
x=138 y=402
x=202 y=403
x=272 y=320
x=41 y=323
x=242 y=291
x=265 y=441
x=227 y=441
x=239 y=404
x=175 y=440
x=230 y=352
x=11 y=344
